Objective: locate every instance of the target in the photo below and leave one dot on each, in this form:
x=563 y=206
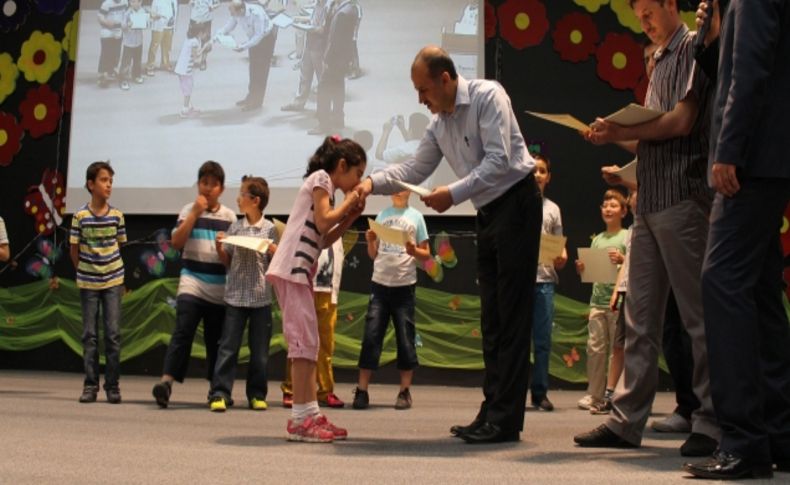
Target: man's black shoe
x=113 y=395
x=489 y=433
x=361 y=399
x=698 y=444
x=726 y=466
x=88 y=394
x=459 y=430
x=601 y=437
x=161 y=392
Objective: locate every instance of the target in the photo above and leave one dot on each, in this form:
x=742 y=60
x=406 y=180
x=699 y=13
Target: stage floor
x=48 y=437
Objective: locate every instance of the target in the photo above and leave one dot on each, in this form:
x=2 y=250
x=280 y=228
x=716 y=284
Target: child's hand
x=613 y=301
x=200 y=205
x=579 y=266
x=559 y=261
x=410 y=248
x=370 y=236
x=220 y=236
x=272 y=248
x=615 y=256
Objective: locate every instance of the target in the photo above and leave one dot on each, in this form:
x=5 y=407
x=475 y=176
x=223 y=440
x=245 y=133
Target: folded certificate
x=389 y=235
x=551 y=247
x=597 y=266
x=633 y=114
x=279 y=226
x=226 y=41
x=282 y=20
x=627 y=172
x=421 y=191
x=249 y=242
x=139 y=19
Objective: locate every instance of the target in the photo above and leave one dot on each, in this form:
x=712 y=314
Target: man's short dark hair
x=212 y=169
x=437 y=61
x=93 y=171
x=660 y=2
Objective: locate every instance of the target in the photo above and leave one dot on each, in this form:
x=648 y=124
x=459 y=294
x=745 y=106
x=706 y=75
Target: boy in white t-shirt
x=392 y=295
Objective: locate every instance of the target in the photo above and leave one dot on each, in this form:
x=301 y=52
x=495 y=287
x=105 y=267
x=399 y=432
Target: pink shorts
x=300 y=323
x=186 y=84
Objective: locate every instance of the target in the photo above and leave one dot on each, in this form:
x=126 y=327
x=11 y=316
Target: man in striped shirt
x=97 y=231
x=670 y=231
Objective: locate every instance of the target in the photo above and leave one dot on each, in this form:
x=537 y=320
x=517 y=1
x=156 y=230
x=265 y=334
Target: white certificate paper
x=389 y=235
x=551 y=247
x=597 y=266
x=255 y=243
x=421 y=191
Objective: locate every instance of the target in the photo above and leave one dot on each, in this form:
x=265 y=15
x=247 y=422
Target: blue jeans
x=190 y=310
x=260 y=332
x=541 y=339
x=108 y=302
x=385 y=302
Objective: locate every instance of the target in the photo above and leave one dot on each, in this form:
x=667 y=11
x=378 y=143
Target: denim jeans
x=541 y=339
x=260 y=332
x=190 y=310
x=108 y=303
x=385 y=302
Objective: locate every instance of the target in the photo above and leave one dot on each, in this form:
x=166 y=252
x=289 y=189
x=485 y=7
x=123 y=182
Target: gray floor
x=48 y=437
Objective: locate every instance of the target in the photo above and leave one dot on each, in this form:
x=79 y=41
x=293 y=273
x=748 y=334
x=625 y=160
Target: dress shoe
x=602 y=437
x=489 y=433
x=698 y=444
x=726 y=466
x=458 y=430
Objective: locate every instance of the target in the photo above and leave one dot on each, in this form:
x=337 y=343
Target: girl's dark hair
x=257 y=187
x=331 y=151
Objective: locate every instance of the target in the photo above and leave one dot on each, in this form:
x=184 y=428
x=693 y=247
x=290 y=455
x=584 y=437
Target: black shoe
x=88 y=394
x=698 y=444
x=726 y=466
x=489 y=433
x=404 y=400
x=113 y=395
x=601 y=437
x=459 y=430
x=361 y=399
x=543 y=404
x=161 y=393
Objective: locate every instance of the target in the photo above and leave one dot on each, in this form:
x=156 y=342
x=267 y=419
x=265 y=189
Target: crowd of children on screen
x=228 y=286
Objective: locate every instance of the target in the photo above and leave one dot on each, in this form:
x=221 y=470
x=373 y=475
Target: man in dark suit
x=331 y=96
x=745 y=320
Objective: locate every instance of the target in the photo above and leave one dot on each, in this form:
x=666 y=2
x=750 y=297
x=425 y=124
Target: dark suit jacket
x=752 y=108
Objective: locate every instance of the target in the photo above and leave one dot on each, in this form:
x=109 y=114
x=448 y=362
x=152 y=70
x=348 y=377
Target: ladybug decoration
x=46 y=202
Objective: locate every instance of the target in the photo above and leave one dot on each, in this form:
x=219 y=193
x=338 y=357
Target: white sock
x=301 y=411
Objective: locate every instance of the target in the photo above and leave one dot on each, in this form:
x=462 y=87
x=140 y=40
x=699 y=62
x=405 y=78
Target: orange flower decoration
x=523 y=23
x=10 y=138
x=40 y=111
x=575 y=37
x=620 y=61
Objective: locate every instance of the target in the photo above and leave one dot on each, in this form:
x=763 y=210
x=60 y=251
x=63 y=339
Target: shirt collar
x=461 y=96
x=679 y=34
x=246 y=223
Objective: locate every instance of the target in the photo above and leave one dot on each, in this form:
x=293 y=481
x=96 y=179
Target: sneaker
x=257 y=404
x=338 y=433
x=139 y=80
x=288 y=400
x=602 y=407
x=361 y=399
x=586 y=402
x=404 y=399
x=674 y=423
x=125 y=85
x=543 y=404
x=217 y=405
x=161 y=392
x=149 y=72
x=113 y=395
x=308 y=430
x=88 y=394
x=331 y=401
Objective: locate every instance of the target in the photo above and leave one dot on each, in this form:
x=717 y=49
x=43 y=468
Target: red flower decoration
x=40 y=111
x=620 y=61
x=10 y=137
x=523 y=23
x=46 y=202
x=575 y=37
x=490 y=20
x=68 y=89
x=640 y=91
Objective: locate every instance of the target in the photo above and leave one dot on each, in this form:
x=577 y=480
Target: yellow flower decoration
x=625 y=15
x=70 y=36
x=8 y=75
x=592 y=6
x=689 y=18
x=40 y=57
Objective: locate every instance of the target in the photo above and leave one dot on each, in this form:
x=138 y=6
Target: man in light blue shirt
x=475 y=129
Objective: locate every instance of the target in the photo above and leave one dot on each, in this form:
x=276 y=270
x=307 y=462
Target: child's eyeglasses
x=248 y=195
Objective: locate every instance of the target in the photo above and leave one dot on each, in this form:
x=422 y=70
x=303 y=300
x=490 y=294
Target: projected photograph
x=163 y=85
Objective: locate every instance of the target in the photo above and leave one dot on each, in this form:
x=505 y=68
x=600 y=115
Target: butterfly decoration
x=155 y=261
x=46 y=202
x=41 y=264
x=444 y=257
x=571 y=357
x=433 y=266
